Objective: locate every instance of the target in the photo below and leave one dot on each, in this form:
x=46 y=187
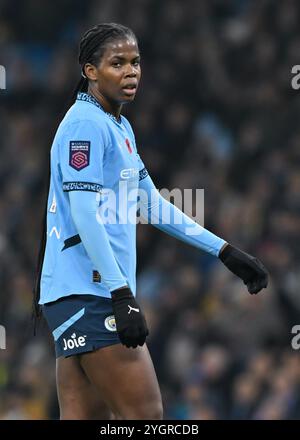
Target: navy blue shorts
x=81 y=323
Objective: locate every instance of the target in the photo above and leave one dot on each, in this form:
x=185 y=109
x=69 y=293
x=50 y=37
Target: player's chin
x=127 y=95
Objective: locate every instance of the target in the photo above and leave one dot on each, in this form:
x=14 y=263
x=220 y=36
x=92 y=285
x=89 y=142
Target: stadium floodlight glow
x=2 y=78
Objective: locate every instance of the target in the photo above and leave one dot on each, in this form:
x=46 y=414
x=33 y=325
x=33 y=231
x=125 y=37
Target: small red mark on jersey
x=128 y=146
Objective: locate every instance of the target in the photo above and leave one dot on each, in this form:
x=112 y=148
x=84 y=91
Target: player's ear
x=90 y=71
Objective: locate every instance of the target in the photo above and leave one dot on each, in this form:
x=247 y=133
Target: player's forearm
x=189 y=231
x=94 y=238
x=168 y=218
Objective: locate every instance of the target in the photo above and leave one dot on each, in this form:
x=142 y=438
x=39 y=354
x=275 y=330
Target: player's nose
x=130 y=71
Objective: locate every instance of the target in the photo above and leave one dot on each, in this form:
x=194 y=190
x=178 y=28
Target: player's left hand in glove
x=130 y=321
x=248 y=268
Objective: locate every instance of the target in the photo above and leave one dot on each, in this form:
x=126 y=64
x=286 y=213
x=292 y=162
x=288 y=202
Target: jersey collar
x=81 y=96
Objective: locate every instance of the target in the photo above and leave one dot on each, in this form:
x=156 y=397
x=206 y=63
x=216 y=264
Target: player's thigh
x=126 y=379
x=78 y=398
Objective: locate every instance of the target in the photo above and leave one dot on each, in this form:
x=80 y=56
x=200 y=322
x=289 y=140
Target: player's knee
x=156 y=411
x=148 y=411
x=86 y=415
x=71 y=415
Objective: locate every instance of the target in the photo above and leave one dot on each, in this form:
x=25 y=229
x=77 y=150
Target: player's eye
x=136 y=62
x=116 y=64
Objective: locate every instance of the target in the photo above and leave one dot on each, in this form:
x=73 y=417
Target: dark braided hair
x=93 y=45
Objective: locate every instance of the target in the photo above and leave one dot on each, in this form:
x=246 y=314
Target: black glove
x=248 y=268
x=130 y=322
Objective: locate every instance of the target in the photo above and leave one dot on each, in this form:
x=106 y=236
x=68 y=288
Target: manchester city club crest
x=110 y=323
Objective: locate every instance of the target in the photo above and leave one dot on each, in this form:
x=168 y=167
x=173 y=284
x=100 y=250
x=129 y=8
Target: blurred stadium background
x=215 y=110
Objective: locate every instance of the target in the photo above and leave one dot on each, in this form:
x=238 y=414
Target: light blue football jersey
x=97 y=178
x=94 y=152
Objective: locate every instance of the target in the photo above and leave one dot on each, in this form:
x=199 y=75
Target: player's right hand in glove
x=130 y=321
x=248 y=268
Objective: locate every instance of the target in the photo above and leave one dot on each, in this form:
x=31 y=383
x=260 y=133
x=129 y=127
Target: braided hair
x=93 y=45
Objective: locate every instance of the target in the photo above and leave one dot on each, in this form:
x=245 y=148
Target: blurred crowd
x=215 y=110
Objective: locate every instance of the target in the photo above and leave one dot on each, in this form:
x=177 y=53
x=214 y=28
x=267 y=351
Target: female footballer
x=86 y=280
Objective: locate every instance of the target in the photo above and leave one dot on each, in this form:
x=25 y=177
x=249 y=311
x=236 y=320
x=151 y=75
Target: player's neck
x=108 y=106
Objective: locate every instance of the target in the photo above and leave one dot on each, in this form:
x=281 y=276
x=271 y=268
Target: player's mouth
x=130 y=88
